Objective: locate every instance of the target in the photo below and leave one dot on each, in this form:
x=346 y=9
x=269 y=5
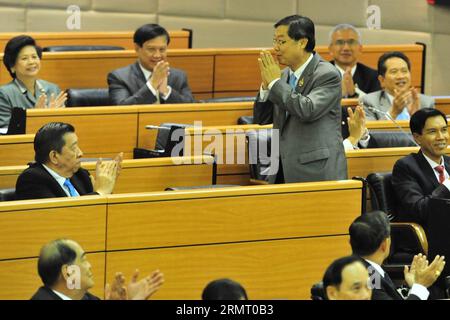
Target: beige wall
x=248 y=23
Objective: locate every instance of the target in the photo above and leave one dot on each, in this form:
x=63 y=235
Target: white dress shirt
x=62 y=296
x=60 y=180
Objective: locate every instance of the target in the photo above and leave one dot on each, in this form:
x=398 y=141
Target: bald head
x=53 y=256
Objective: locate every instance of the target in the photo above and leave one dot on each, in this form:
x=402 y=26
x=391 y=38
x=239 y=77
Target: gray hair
x=344 y=26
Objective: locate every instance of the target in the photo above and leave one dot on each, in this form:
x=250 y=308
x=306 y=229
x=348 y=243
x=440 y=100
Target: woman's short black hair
x=13 y=48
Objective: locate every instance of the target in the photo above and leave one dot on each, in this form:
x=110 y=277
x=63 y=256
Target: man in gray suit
x=149 y=80
x=398 y=100
x=303 y=103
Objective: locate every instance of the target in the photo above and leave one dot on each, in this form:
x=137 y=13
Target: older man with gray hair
x=345 y=48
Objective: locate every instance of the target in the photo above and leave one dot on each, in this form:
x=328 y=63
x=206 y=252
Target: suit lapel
x=307 y=74
x=427 y=170
x=138 y=75
x=280 y=113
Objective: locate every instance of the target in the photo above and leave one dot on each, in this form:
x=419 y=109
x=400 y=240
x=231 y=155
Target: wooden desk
x=16 y=149
x=234 y=233
x=211 y=72
x=142 y=175
x=179 y=39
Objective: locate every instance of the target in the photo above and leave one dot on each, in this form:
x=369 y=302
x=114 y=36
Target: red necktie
x=440 y=169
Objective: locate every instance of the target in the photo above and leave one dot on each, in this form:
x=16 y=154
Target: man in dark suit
x=57 y=171
x=303 y=103
x=149 y=80
x=421 y=176
x=398 y=99
x=370 y=239
x=66 y=274
x=345 y=48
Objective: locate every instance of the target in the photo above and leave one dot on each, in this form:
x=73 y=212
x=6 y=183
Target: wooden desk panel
x=178 y=39
x=21 y=279
x=141 y=175
x=210 y=114
x=27 y=225
x=232 y=214
x=267 y=269
x=16 y=149
x=443 y=104
x=102 y=131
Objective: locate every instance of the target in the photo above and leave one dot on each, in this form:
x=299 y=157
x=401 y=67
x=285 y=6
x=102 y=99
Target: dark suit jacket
x=384 y=289
x=35 y=183
x=310 y=132
x=128 y=86
x=415 y=184
x=44 y=293
x=366 y=78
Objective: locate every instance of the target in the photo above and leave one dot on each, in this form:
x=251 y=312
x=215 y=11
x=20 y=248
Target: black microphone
x=387 y=115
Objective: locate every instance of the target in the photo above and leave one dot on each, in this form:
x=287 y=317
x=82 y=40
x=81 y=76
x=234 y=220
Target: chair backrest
x=80 y=48
x=8 y=194
x=259 y=152
x=229 y=99
x=245 y=120
x=390 y=139
x=18 y=121
x=87 y=97
x=318 y=291
x=382 y=194
x=164 y=139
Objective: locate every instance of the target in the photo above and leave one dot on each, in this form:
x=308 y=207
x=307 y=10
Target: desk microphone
x=387 y=115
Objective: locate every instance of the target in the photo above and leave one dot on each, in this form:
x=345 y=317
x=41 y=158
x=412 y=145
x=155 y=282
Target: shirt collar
x=147 y=74
x=298 y=73
x=342 y=71
x=56 y=176
x=376 y=266
x=24 y=90
x=62 y=296
x=389 y=97
x=434 y=164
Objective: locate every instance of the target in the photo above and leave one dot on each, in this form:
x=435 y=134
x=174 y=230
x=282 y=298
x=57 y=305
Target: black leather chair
x=245 y=120
x=8 y=194
x=80 y=48
x=87 y=97
x=164 y=143
x=259 y=159
x=229 y=99
x=407 y=238
x=390 y=139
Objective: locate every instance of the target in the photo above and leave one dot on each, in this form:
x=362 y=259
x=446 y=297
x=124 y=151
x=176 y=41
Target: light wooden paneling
x=101 y=131
x=16 y=149
x=283 y=269
x=141 y=175
x=232 y=214
x=21 y=280
x=178 y=39
x=27 y=225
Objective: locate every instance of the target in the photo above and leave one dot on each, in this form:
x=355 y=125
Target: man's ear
x=331 y=292
x=381 y=80
x=136 y=47
x=303 y=42
x=64 y=272
x=417 y=137
x=53 y=157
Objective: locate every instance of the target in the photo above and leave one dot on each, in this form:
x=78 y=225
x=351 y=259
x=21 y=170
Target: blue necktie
x=292 y=81
x=69 y=185
x=404 y=115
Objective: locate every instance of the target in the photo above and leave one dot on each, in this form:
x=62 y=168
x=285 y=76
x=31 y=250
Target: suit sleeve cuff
x=419 y=291
x=272 y=83
x=348 y=145
x=150 y=87
x=168 y=93
x=263 y=94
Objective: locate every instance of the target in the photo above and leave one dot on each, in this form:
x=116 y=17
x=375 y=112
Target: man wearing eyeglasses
x=345 y=49
x=303 y=102
x=150 y=80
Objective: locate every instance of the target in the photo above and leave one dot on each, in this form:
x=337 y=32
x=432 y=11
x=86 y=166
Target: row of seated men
x=66 y=274
x=149 y=81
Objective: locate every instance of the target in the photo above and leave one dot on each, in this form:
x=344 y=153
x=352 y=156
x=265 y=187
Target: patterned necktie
x=292 y=81
x=69 y=185
x=440 y=170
